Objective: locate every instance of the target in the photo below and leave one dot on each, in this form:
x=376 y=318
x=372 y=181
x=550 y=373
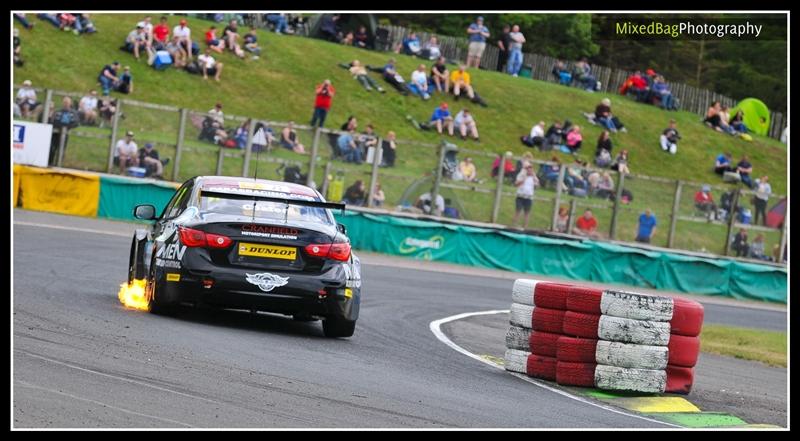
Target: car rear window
x=264 y=209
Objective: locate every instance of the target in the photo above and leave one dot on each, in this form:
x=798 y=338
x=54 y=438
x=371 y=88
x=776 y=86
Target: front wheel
x=334 y=327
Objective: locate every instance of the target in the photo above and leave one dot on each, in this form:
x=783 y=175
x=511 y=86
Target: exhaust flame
x=132 y=296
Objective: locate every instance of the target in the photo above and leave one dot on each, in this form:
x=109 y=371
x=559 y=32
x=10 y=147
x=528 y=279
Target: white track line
x=99 y=403
x=59 y=227
x=435 y=327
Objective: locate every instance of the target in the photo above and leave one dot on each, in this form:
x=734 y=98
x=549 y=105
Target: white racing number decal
x=266 y=281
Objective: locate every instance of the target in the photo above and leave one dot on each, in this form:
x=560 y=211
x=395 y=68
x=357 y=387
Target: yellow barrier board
x=15 y=197
x=58 y=191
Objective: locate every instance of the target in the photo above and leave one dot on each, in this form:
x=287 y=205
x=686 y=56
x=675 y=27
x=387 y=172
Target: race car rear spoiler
x=287 y=201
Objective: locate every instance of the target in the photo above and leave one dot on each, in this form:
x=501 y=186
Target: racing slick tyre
x=335 y=327
x=136 y=269
x=156 y=303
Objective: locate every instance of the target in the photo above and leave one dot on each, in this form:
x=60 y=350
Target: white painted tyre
x=627 y=379
x=521 y=315
x=636 y=306
x=522 y=292
x=631 y=356
x=518 y=338
x=516 y=361
x=639 y=332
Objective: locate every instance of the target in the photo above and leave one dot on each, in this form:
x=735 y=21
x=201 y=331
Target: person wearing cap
x=478 y=33
x=440 y=76
x=87 y=108
x=136 y=41
x=125 y=153
x=704 y=202
x=466 y=125
x=209 y=65
x=148 y=158
x=27 y=100
x=184 y=35
x=669 y=138
x=442 y=118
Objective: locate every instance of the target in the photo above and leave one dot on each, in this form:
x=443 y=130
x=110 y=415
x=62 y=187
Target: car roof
x=232 y=184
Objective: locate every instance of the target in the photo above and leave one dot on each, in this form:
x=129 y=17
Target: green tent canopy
x=756 y=115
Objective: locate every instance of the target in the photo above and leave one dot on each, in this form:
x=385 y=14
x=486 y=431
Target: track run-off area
x=80 y=359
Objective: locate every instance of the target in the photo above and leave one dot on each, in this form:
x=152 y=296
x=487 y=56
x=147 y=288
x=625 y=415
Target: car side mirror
x=144 y=212
x=341 y=228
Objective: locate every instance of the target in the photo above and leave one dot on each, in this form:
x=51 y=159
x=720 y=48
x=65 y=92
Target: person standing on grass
x=322 y=104
x=478 y=33
x=763 y=190
x=646 y=228
x=515 y=51
x=526 y=181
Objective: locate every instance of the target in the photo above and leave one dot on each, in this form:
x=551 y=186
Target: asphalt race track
x=82 y=360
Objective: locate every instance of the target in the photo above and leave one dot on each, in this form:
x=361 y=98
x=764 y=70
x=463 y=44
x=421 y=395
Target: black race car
x=249 y=244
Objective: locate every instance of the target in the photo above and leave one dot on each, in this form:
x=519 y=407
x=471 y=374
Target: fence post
x=248 y=150
x=325 y=180
x=498 y=193
x=613 y=228
x=114 y=128
x=312 y=162
x=373 y=179
x=557 y=201
x=783 y=238
x=62 y=140
x=220 y=160
x=48 y=97
x=179 y=145
x=731 y=220
x=674 y=219
x=573 y=204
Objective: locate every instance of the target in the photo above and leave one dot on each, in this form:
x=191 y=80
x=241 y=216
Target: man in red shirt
x=586 y=225
x=704 y=202
x=161 y=34
x=322 y=104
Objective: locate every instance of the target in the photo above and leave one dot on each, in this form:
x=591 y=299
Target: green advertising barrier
x=589 y=261
x=118 y=196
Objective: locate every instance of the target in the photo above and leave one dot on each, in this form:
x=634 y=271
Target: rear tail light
x=336 y=251
x=197 y=238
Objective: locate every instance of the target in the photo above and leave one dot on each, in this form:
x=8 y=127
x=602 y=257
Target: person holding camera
x=322 y=104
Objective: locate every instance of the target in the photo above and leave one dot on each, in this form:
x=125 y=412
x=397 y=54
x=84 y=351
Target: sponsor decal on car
x=270 y=232
x=268 y=251
x=173 y=277
x=266 y=281
x=173 y=251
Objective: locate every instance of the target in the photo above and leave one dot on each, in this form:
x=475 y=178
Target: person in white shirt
x=419 y=83
x=126 y=154
x=763 y=190
x=137 y=40
x=431 y=49
x=465 y=123
x=209 y=65
x=424 y=203
x=26 y=99
x=526 y=181
x=536 y=138
x=87 y=108
x=147 y=25
x=184 y=35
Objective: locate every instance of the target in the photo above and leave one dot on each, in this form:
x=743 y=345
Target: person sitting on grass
x=536 y=137
x=664 y=95
x=184 y=35
x=411 y=44
x=744 y=167
x=467 y=169
x=586 y=225
x=583 y=75
x=562 y=220
x=209 y=65
x=508 y=168
x=251 y=43
x=214 y=43
x=574 y=139
x=136 y=41
x=440 y=76
x=757 y=248
x=461 y=82
x=27 y=100
x=669 y=138
x=712 y=118
x=348 y=147
x=574 y=177
x=350 y=124
x=148 y=158
x=389 y=147
x=466 y=124
x=621 y=163
x=87 y=108
x=704 y=202
x=555 y=136
x=391 y=76
x=604 y=117
x=604 y=143
x=359 y=72
x=289 y=140
x=431 y=49
x=361 y=37
x=125 y=153
x=419 y=83
x=605 y=186
x=125 y=84
x=367 y=140
x=737 y=122
x=723 y=164
x=355 y=194
x=231 y=36
x=740 y=245
x=378 y=197
x=161 y=34
x=348 y=39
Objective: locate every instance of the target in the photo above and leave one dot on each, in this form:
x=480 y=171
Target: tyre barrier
x=516 y=360
x=609 y=339
x=544 y=343
x=518 y=338
x=521 y=315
